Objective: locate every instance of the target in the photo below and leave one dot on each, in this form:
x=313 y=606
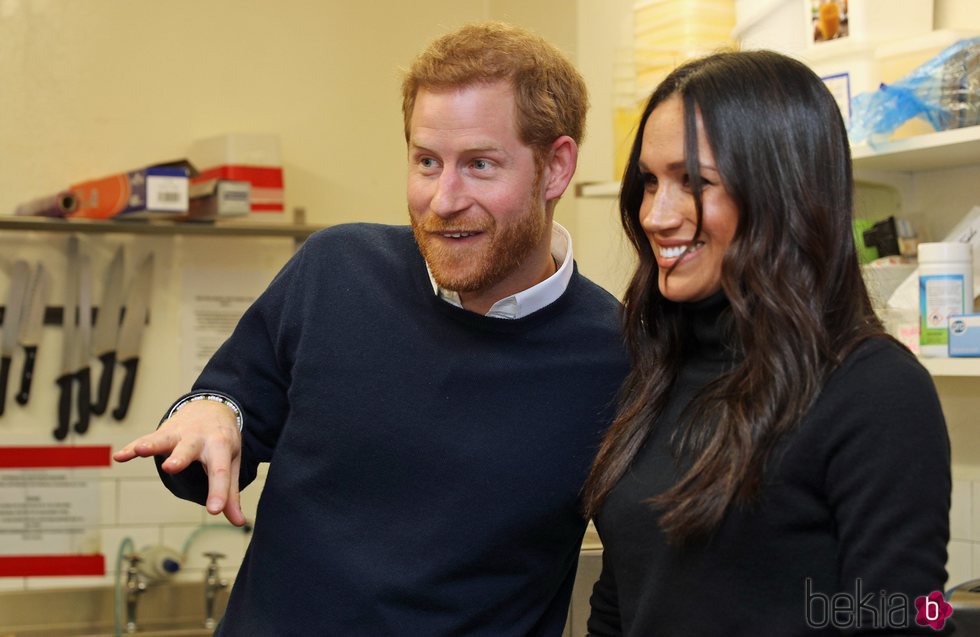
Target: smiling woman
x=772 y=446
x=689 y=247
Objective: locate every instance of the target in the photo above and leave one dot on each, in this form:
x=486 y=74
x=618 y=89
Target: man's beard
x=508 y=248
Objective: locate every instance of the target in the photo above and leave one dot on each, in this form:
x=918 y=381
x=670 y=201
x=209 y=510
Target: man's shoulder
x=355 y=241
x=363 y=233
x=594 y=294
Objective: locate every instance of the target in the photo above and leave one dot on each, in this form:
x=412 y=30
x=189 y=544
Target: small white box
x=791 y=26
x=964 y=335
x=251 y=157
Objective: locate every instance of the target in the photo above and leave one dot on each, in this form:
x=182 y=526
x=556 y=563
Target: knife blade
x=19 y=277
x=131 y=332
x=107 y=330
x=31 y=328
x=20 y=274
x=84 y=345
x=69 y=357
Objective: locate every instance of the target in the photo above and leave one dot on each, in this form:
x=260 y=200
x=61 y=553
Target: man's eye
x=427 y=162
x=481 y=164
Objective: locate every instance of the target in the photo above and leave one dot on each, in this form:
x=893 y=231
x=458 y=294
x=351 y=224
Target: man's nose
x=449 y=197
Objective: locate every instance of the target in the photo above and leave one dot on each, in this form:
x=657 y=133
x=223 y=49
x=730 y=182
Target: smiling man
x=429 y=398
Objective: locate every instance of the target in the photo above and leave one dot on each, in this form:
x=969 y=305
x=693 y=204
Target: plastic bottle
x=159 y=562
x=945 y=288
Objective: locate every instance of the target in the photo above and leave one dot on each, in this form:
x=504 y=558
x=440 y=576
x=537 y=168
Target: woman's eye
x=649 y=181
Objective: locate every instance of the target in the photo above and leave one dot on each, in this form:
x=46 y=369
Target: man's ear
x=559 y=167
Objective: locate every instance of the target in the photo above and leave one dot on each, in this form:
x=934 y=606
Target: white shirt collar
x=535 y=297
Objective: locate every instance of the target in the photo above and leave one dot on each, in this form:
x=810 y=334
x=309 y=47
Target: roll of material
x=59 y=205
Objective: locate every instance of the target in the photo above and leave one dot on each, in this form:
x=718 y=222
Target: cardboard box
x=219 y=199
x=964 y=335
x=250 y=157
x=157 y=191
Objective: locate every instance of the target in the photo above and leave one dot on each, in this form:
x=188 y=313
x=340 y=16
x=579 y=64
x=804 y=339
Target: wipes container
x=945 y=288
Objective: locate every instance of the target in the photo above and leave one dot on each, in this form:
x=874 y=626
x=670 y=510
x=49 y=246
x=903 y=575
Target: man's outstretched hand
x=205 y=431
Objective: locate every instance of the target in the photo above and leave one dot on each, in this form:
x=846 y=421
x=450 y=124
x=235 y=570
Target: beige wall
x=93 y=87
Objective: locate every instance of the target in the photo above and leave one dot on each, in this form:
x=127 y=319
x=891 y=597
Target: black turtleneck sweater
x=857 y=495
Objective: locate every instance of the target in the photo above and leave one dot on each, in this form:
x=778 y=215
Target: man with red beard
x=430 y=399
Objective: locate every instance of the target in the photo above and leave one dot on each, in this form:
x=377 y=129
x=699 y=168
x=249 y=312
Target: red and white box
x=251 y=157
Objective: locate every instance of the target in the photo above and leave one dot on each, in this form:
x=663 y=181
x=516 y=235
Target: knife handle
x=84 y=399
x=30 y=352
x=64 y=405
x=4 y=371
x=105 y=383
x=126 y=393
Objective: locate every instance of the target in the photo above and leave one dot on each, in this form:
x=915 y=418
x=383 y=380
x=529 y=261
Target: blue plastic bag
x=945 y=92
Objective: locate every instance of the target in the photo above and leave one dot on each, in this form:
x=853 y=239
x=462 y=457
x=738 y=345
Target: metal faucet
x=134 y=587
x=212 y=584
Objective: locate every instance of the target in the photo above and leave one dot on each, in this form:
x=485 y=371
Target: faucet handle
x=214 y=556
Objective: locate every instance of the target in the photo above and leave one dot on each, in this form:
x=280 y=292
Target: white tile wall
x=137 y=506
x=964 y=527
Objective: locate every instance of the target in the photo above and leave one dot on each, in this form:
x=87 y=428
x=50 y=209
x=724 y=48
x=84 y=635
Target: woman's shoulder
x=881 y=385
x=881 y=360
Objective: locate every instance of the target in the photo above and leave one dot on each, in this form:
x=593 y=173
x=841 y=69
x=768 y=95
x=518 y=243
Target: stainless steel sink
x=174 y=609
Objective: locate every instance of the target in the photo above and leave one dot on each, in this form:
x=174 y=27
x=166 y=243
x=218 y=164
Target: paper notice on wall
x=214 y=299
x=49 y=511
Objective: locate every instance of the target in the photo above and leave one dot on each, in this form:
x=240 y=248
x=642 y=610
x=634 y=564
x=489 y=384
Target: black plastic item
x=84 y=400
x=126 y=391
x=105 y=383
x=884 y=237
x=30 y=353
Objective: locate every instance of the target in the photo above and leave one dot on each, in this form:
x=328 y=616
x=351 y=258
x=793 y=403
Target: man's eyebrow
x=479 y=148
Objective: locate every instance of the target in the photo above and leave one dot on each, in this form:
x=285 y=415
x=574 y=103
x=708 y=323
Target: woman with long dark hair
x=779 y=465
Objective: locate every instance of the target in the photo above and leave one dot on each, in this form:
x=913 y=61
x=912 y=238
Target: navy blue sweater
x=426 y=461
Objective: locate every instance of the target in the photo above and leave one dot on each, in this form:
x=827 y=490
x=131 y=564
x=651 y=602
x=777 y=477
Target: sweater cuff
x=212 y=396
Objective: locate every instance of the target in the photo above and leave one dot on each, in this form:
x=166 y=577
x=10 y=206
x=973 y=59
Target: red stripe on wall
x=51 y=565
x=54 y=456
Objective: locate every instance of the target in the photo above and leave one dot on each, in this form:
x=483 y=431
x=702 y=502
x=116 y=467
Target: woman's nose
x=661 y=211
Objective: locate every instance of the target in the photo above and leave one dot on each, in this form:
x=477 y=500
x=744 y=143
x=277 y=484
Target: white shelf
x=164 y=227
x=952 y=366
x=945 y=149
x=597 y=190
x=935 y=151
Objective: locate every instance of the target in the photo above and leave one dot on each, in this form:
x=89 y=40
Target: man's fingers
x=154 y=444
x=233 y=508
x=219 y=478
x=183 y=454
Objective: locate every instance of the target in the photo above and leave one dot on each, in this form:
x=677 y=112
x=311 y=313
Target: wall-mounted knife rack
x=53 y=315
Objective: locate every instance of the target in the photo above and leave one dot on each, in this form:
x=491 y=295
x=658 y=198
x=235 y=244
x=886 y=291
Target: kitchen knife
x=31 y=328
x=83 y=348
x=107 y=330
x=131 y=332
x=20 y=275
x=69 y=357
